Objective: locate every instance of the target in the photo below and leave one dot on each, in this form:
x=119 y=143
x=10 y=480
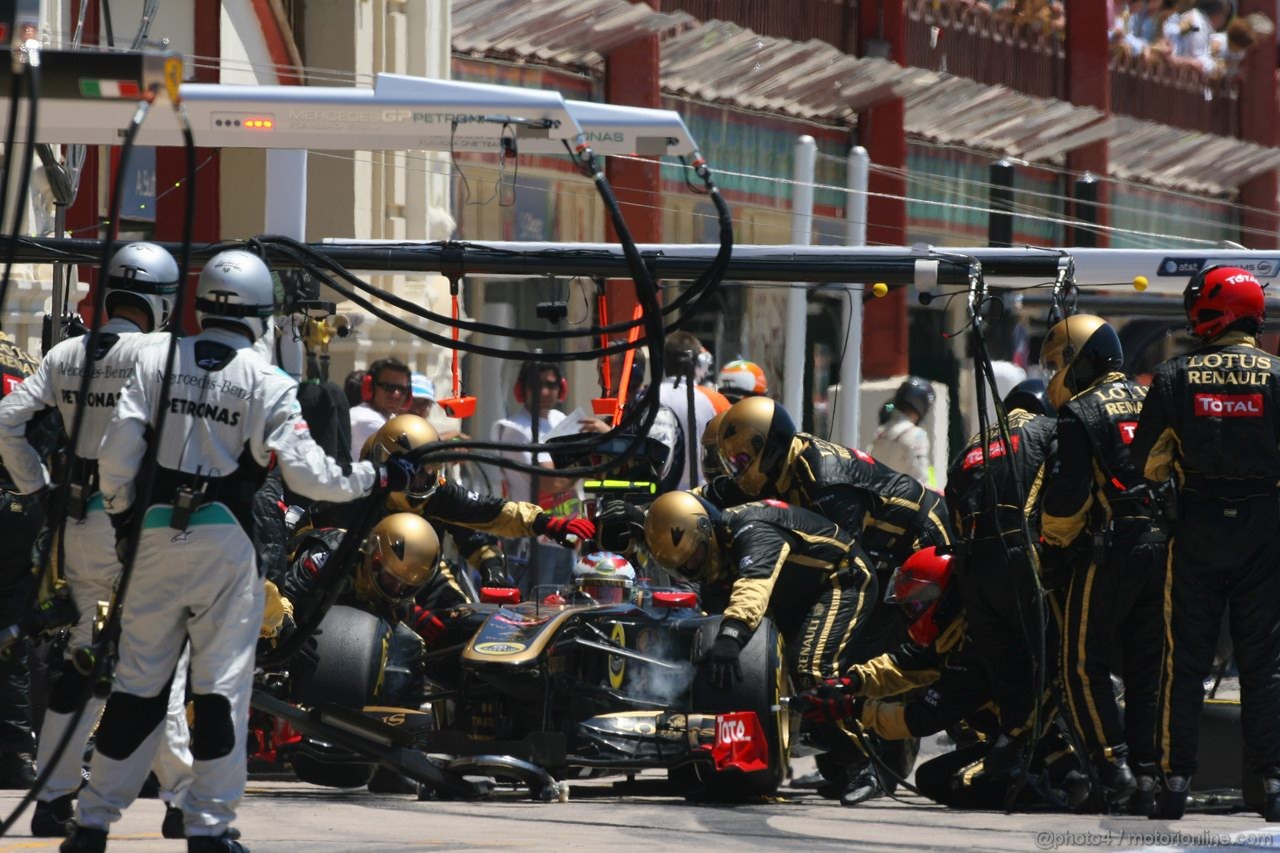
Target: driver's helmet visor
x=695 y=567
x=603 y=591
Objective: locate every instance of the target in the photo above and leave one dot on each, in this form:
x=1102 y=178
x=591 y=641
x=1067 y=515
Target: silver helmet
x=143 y=276
x=236 y=288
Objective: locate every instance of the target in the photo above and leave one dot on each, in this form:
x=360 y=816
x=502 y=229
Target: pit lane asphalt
x=291 y=816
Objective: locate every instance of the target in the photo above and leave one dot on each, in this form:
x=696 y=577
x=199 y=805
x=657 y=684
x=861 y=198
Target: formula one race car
x=574 y=683
x=540 y=691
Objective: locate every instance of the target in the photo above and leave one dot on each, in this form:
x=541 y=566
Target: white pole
x=287 y=192
x=806 y=156
x=849 y=403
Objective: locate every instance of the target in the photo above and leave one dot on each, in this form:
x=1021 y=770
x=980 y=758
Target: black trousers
x=820 y=642
x=1005 y=625
x=23 y=518
x=1113 y=623
x=1223 y=552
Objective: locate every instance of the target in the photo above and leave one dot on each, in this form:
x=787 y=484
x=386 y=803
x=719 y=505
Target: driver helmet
x=917 y=586
x=604 y=576
x=401 y=434
x=401 y=555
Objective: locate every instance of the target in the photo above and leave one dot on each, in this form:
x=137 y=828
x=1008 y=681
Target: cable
x=32 y=77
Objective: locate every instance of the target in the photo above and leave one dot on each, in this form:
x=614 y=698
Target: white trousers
x=200 y=584
x=91 y=571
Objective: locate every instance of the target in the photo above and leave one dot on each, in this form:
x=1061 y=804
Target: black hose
x=32 y=77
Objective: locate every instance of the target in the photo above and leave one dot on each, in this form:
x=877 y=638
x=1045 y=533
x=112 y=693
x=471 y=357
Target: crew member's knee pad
x=128 y=721
x=68 y=685
x=213 y=733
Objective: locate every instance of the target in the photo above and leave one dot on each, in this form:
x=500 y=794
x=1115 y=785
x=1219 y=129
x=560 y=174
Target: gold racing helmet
x=400 y=555
x=754 y=439
x=1077 y=352
x=711 y=467
x=680 y=535
x=399 y=435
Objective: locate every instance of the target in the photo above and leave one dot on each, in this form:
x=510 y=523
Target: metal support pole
x=287 y=193
x=849 y=402
x=1000 y=215
x=1086 y=211
x=806 y=156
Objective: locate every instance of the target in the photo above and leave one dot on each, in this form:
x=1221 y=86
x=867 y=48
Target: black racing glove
x=833 y=701
x=725 y=651
x=493 y=573
x=121 y=523
x=619 y=525
x=398 y=473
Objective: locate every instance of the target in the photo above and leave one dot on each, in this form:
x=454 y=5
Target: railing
x=832 y=21
x=968 y=41
x=1179 y=96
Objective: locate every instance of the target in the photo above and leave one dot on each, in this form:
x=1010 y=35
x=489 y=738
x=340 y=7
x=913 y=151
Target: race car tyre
x=351 y=648
x=764 y=682
x=344 y=774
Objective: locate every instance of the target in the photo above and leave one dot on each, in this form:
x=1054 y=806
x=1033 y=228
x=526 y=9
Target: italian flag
x=110 y=88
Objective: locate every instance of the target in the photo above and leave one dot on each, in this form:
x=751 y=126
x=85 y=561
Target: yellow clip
x=173 y=78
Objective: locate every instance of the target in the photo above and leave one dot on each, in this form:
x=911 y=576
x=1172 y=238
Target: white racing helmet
x=236 y=288
x=143 y=276
x=605 y=576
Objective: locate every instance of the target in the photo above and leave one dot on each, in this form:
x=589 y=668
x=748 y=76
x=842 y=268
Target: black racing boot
x=83 y=839
x=53 y=819
x=862 y=786
x=1118 y=782
x=1143 y=801
x=224 y=843
x=1271 y=807
x=174 y=825
x=1172 y=802
x=17 y=770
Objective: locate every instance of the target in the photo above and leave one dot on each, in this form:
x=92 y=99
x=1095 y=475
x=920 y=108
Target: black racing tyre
x=765 y=681
x=343 y=774
x=351 y=646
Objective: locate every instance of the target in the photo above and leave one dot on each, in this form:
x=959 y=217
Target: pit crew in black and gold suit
x=893 y=515
x=947 y=686
x=992 y=492
x=1212 y=422
x=1097 y=523
x=806 y=574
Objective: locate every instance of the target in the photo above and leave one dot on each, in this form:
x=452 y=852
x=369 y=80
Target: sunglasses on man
x=393 y=388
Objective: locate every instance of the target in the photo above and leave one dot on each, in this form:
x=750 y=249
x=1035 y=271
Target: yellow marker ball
x=879 y=289
x=1140 y=283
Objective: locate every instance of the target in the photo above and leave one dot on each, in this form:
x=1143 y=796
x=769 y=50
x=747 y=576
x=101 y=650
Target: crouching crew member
x=948 y=688
x=771 y=559
x=1097 y=522
x=1212 y=422
x=196 y=574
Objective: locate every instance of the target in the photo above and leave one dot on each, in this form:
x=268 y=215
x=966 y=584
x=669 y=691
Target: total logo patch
x=1228 y=405
x=500 y=648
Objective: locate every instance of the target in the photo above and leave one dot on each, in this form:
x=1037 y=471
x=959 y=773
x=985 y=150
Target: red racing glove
x=561 y=529
x=833 y=701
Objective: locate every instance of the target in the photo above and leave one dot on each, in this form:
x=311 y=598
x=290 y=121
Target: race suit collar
x=1235 y=338
x=231 y=337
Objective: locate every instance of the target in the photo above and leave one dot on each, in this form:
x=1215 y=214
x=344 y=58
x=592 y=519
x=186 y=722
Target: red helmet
x=1219 y=296
x=917 y=586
